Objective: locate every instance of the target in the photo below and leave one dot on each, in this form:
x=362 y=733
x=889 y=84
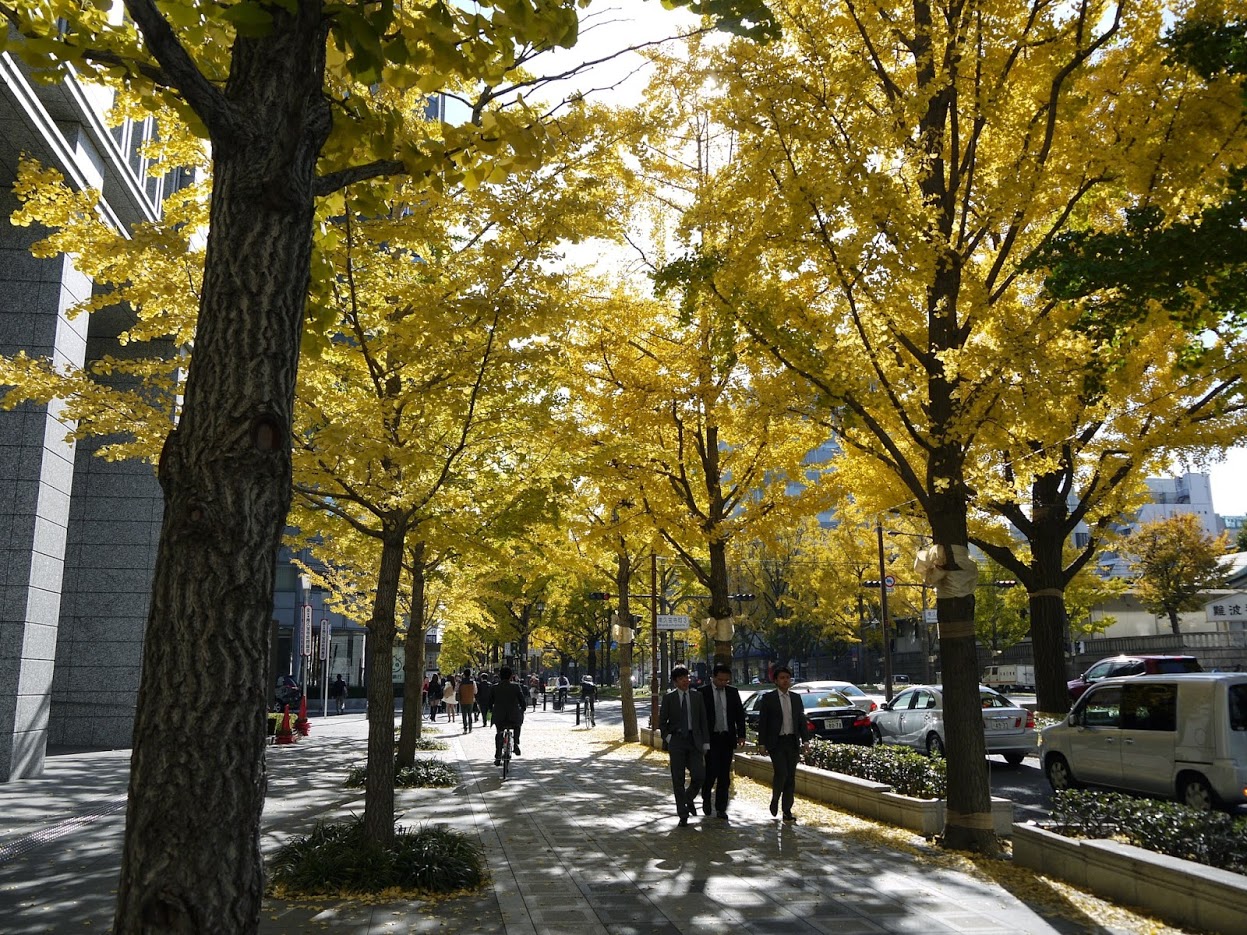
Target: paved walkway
x=582 y=839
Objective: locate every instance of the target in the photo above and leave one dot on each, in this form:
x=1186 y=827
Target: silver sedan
x=915 y=718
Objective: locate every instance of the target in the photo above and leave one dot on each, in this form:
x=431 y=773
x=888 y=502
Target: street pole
x=883 y=615
x=653 y=617
x=326 y=637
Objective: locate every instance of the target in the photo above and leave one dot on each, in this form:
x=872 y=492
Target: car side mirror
x=886 y=706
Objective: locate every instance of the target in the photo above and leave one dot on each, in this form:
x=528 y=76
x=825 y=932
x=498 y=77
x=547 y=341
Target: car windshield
x=827 y=699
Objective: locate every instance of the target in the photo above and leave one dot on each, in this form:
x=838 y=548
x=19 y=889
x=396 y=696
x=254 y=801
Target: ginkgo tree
x=898 y=167
x=426 y=405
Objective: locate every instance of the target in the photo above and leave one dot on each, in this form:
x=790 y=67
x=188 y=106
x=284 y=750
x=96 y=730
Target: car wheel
x=1059 y=775
x=1194 y=791
x=935 y=746
x=876 y=736
x=1014 y=759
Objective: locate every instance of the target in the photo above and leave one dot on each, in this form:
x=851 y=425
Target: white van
x=1177 y=736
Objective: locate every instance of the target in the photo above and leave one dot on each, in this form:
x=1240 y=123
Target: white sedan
x=915 y=718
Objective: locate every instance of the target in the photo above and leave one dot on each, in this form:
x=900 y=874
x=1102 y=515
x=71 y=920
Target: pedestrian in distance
x=435 y=695
x=727 y=732
x=485 y=697
x=337 y=691
x=534 y=689
x=508 y=709
x=467 y=700
x=683 y=725
x=782 y=735
x=448 y=697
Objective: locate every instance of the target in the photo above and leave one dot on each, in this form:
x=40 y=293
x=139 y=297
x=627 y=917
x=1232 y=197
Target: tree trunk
x=413 y=664
x=1045 y=586
x=379 y=788
x=191 y=857
x=1173 y=621
x=720 y=602
x=623 y=581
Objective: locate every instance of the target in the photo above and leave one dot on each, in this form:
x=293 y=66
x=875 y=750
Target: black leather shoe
x=705 y=808
x=516 y=749
x=683 y=820
x=789 y=816
x=774 y=806
x=721 y=815
x=498 y=762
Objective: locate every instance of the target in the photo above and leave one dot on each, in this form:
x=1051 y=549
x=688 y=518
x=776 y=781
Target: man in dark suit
x=682 y=723
x=782 y=732
x=726 y=715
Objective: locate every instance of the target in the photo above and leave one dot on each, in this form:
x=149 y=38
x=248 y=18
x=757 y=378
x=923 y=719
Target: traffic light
x=599 y=595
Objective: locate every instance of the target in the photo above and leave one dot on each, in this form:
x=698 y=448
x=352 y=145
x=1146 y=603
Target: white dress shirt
x=785 y=706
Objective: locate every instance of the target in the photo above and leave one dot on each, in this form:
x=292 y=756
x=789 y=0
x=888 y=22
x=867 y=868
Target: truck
x=1009 y=677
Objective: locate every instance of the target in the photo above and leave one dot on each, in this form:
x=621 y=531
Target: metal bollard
x=577 y=712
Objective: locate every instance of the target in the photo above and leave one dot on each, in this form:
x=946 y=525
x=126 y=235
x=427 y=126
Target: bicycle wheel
x=506 y=754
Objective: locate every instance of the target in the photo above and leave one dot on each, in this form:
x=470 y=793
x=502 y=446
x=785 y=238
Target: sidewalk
x=582 y=839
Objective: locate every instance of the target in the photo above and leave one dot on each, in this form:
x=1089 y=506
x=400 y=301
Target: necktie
x=684 y=711
x=720 y=710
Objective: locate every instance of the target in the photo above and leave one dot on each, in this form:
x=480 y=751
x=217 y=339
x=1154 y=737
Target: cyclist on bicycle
x=588 y=692
x=508 y=707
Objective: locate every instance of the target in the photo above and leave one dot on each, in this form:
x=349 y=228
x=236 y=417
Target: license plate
x=1000 y=723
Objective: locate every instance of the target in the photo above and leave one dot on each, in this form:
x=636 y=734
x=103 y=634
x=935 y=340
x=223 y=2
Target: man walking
x=508 y=706
x=484 y=696
x=782 y=732
x=682 y=723
x=727 y=732
x=467 y=700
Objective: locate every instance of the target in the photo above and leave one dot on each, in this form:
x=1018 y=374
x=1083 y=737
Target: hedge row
x=1212 y=838
x=907 y=771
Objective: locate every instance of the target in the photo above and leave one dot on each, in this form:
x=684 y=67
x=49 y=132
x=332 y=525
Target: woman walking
x=448 y=697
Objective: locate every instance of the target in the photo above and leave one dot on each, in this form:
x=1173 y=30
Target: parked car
x=1119 y=666
x=286 y=692
x=851 y=691
x=830 y=715
x=915 y=718
x=1178 y=736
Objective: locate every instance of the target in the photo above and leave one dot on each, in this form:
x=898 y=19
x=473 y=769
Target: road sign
x=324 y=638
x=673 y=621
x=307 y=631
x=889 y=582
x=930 y=615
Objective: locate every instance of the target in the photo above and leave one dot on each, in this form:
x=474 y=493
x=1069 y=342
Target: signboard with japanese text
x=673 y=621
x=1232 y=608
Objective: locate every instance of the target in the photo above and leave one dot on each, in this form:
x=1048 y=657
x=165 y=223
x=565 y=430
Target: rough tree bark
x=413 y=664
x=379 y=787
x=623 y=581
x=191 y=859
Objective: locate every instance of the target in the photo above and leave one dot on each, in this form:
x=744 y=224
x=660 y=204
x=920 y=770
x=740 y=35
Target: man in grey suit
x=683 y=724
x=782 y=732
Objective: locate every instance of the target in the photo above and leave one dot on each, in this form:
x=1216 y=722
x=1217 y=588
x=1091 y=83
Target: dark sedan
x=829 y=716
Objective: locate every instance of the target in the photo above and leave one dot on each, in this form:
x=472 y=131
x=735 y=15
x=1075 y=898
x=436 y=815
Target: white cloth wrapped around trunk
x=931 y=567
x=719 y=630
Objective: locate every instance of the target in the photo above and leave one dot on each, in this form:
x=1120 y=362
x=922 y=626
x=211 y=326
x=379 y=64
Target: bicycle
x=589 y=710
x=506 y=751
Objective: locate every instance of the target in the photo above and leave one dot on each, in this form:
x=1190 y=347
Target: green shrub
x=421 y=774
x=1212 y=838
x=426 y=743
x=907 y=771
x=339 y=860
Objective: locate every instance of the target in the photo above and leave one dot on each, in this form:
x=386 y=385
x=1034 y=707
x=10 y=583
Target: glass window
x=1170 y=666
x=1150 y=707
x=827 y=700
x=1102 y=708
x=994 y=700
x=904 y=700
x=924 y=699
x=1099 y=671
x=1238 y=707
